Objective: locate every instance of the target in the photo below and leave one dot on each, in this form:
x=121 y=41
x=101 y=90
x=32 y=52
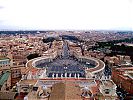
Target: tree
x=49 y=39
x=32 y=56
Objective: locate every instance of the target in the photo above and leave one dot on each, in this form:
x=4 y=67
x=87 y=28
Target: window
x=107 y=91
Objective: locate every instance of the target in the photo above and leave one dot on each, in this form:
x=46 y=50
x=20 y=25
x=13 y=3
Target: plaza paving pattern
x=62 y=66
x=65 y=66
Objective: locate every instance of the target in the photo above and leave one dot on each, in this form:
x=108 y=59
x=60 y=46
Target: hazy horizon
x=66 y=15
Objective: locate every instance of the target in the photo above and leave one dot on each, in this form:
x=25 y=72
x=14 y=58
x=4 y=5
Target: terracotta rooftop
x=125 y=68
x=107 y=83
x=7 y=95
x=65 y=91
x=3 y=58
x=94 y=90
x=131 y=74
x=27 y=82
x=28 y=68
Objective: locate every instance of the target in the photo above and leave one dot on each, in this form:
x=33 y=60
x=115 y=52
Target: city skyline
x=66 y=15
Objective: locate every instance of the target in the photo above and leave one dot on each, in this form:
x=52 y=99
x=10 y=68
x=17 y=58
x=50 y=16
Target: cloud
x=66 y=14
x=1 y=7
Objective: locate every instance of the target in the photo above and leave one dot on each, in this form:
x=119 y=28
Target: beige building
x=4 y=63
x=108 y=89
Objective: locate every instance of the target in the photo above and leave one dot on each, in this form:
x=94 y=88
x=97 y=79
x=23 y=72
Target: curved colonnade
x=95 y=72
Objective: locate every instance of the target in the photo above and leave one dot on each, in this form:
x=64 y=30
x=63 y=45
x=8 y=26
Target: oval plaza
x=65 y=60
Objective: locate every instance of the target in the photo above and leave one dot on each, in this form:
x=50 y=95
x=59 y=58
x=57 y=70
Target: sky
x=66 y=14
